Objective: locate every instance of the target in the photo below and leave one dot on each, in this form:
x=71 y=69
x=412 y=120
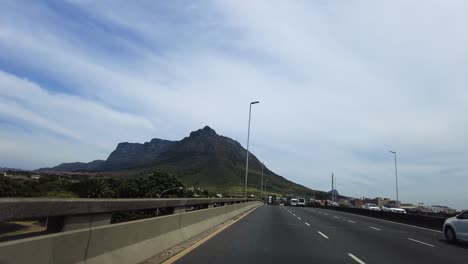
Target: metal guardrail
x=21 y=208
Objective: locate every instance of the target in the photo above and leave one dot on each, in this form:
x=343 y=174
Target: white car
x=398 y=210
x=371 y=206
x=385 y=209
x=456 y=228
x=394 y=210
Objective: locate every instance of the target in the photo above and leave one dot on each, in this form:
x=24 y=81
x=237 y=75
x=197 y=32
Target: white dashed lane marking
x=322 y=234
x=420 y=242
x=356 y=259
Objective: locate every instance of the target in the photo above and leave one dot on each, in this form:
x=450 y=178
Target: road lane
x=277 y=234
x=388 y=245
x=270 y=234
x=422 y=234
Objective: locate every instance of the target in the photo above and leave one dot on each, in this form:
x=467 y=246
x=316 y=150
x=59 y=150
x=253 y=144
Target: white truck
x=294 y=202
x=301 y=202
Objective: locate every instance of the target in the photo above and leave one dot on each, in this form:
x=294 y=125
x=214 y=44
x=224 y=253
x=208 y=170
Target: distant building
x=3 y=174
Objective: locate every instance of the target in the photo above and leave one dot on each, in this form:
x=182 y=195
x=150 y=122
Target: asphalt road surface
x=278 y=234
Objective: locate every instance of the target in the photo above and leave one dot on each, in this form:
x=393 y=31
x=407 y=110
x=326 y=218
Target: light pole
x=248 y=139
x=396 y=179
x=333 y=187
x=335 y=191
x=161 y=194
x=261 y=185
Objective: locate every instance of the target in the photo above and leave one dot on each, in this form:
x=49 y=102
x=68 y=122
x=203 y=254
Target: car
x=456 y=228
x=385 y=209
x=393 y=210
x=398 y=210
x=371 y=206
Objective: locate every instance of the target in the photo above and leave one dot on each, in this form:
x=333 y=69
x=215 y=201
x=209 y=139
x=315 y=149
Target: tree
x=98 y=187
x=149 y=186
x=7 y=187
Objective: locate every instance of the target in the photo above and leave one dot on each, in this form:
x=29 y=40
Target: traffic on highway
x=292 y=234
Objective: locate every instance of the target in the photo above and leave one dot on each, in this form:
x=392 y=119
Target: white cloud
x=78 y=121
x=340 y=84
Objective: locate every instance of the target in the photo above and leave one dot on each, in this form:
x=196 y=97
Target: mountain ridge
x=203 y=159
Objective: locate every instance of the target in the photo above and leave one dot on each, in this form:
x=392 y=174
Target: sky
x=340 y=84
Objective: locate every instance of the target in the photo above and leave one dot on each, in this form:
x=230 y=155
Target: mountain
x=204 y=159
x=131 y=155
x=10 y=169
x=77 y=166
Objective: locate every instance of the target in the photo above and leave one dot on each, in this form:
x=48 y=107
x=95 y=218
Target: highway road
x=278 y=234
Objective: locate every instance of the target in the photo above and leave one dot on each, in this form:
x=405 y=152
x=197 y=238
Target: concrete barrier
x=65 y=247
x=130 y=242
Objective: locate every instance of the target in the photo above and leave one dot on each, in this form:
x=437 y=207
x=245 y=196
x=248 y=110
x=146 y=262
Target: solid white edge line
x=307 y=224
x=322 y=234
x=375 y=228
x=356 y=259
x=417 y=241
x=383 y=220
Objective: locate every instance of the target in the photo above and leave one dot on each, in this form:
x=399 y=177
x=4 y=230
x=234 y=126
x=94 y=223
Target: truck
x=301 y=202
x=272 y=200
x=294 y=202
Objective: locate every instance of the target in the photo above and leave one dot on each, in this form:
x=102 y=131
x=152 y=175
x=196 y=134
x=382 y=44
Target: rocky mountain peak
x=204 y=132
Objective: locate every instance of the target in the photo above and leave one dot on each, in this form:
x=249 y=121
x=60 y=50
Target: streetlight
x=248 y=139
x=261 y=185
x=396 y=179
x=161 y=194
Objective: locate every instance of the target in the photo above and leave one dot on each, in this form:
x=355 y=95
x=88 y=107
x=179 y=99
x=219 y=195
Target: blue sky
x=340 y=84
